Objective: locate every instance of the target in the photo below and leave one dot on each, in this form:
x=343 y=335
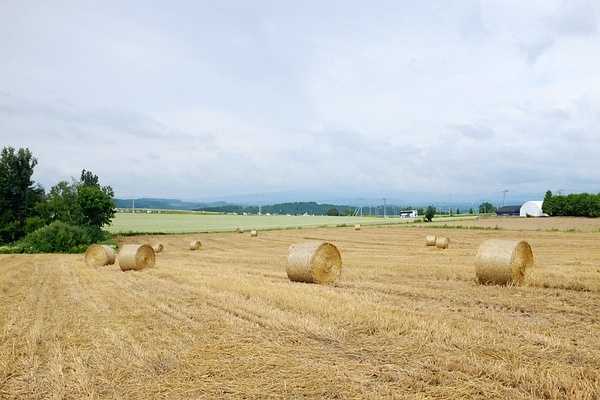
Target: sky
x=205 y=99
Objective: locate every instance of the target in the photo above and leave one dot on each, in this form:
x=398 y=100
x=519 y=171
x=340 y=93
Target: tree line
x=66 y=219
x=572 y=205
x=297 y=208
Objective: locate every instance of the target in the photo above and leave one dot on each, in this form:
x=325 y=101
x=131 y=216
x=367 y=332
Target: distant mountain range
x=318 y=203
x=296 y=208
x=166 y=204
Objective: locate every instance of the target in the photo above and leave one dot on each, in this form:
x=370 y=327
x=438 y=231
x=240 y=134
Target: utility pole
x=504 y=196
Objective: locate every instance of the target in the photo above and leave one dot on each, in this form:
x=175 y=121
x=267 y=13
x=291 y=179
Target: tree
x=429 y=213
x=548 y=206
x=458 y=211
x=62 y=204
x=486 y=208
x=471 y=211
x=574 y=205
x=18 y=192
x=83 y=203
x=89 y=179
x=333 y=212
x=96 y=205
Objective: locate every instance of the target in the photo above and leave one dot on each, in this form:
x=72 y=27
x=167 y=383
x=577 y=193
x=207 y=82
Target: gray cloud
x=200 y=100
x=474 y=132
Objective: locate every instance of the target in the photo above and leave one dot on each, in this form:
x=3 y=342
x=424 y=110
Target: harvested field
x=563 y=224
x=192 y=222
x=403 y=321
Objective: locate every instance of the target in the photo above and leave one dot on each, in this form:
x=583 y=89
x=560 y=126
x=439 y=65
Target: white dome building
x=532 y=209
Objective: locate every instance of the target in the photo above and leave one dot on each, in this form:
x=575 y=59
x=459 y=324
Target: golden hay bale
x=158 y=247
x=99 y=255
x=430 y=240
x=253 y=233
x=314 y=262
x=503 y=261
x=442 y=242
x=238 y=229
x=135 y=256
x=195 y=245
x=357 y=227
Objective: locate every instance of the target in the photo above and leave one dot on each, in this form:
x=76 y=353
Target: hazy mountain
x=165 y=204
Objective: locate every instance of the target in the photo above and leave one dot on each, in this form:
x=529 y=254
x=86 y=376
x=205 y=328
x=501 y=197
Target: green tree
x=18 y=192
x=471 y=211
x=62 y=204
x=429 y=213
x=548 y=206
x=89 y=179
x=83 y=203
x=486 y=208
x=333 y=212
x=96 y=205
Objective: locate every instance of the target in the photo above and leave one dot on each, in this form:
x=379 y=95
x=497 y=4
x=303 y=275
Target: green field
x=188 y=223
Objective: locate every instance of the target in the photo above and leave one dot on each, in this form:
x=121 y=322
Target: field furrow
x=404 y=321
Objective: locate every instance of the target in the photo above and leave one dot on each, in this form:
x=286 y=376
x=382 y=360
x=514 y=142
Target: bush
x=33 y=223
x=57 y=237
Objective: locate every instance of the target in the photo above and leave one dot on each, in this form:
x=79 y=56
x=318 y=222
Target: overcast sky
x=215 y=98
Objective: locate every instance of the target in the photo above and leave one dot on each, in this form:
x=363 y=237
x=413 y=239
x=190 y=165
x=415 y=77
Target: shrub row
x=58 y=237
x=572 y=205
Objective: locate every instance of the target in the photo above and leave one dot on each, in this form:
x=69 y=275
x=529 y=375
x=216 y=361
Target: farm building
x=532 y=209
x=409 y=214
x=507 y=211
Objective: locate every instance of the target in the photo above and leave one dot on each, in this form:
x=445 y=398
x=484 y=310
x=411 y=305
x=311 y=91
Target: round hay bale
x=238 y=229
x=430 y=240
x=314 y=262
x=357 y=227
x=158 y=247
x=442 y=242
x=135 y=256
x=98 y=255
x=502 y=262
x=253 y=233
x=195 y=244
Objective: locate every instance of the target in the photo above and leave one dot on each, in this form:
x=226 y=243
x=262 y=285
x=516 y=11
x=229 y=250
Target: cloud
x=474 y=132
x=196 y=101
